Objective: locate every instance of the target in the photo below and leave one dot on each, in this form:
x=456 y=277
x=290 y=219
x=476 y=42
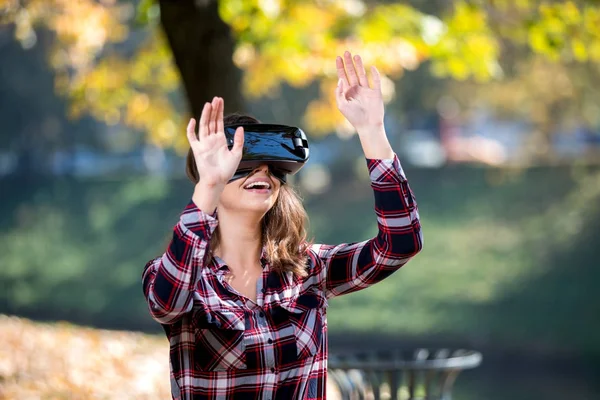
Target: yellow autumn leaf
x=538 y=41
x=579 y=50
x=594 y=51
x=457 y=68
x=570 y=13
x=292 y=42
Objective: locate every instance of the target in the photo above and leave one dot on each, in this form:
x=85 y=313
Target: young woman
x=240 y=293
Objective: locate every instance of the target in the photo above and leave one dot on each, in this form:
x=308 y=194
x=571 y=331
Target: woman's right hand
x=216 y=164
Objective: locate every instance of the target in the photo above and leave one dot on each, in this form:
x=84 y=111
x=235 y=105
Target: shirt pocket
x=220 y=344
x=306 y=316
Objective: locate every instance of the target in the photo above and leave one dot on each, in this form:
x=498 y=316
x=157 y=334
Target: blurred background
x=493 y=107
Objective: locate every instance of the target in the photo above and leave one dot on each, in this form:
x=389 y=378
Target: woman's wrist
x=375 y=143
x=206 y=196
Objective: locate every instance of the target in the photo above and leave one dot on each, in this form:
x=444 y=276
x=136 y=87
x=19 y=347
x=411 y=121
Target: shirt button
x=270 y=341
x=262 y=314
x=273 y=370
x=263 y=290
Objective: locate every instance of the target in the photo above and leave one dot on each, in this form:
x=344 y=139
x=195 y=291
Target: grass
x=495 y=270
x=510 y=258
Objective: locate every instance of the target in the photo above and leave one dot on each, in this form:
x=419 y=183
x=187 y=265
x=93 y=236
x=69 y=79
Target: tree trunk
x=202 y=47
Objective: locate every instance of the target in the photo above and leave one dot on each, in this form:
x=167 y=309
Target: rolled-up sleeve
x=169 y=281
x=350 y=267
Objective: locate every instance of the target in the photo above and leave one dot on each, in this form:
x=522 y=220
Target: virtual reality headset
x=283 y=148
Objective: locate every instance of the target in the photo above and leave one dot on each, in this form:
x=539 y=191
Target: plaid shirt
x=225 y=346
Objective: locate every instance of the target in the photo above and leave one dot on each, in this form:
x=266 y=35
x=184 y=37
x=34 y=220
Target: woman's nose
x=263 y=167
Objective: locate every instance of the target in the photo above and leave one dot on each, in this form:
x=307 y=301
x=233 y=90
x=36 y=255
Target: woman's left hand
x=362 y=105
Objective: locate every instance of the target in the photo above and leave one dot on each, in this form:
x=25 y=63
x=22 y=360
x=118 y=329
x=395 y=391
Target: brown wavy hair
x=283 y=227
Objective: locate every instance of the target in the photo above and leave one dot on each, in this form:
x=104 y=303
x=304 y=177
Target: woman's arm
x=169 y=281
x=351 y=267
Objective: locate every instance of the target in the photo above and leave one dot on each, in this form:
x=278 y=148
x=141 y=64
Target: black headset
x=283 y=148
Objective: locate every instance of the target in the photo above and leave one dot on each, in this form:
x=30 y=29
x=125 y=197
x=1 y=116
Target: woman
x=240 y=293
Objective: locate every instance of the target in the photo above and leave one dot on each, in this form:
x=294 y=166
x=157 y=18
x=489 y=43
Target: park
x=492 y=107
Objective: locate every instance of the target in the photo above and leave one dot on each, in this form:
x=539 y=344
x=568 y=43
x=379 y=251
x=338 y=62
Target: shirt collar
x=217 y=264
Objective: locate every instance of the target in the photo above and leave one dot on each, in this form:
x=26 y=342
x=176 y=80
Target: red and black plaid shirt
x=224 y=346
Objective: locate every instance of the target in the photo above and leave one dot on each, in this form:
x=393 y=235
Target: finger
x=360 y=70
x=191 y=134
x=212 y=122
x=352 y=78
x=376 y=78
x=339 y=93
x=238 y=141
x=220 y=127
x=204 y=117
x=341 y=72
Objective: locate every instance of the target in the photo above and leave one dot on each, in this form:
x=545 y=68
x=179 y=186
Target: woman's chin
x=260 y=207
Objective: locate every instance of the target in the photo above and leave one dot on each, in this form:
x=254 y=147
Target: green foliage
x=506 y=264
x=76 y=249
x=507 y=258
x=276 y=45
x=99 y=70
x=468 y=47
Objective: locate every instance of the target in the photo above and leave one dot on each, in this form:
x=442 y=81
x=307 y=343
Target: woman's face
x=256 y=192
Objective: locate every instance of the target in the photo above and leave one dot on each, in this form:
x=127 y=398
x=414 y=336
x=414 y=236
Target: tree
x=549 y=59
x=117 y=60
x=202 y=47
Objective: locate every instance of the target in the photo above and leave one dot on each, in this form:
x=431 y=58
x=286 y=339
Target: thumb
x=238 y=140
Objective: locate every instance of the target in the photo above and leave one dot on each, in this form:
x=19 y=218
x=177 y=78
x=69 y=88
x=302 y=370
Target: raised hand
x=215 y=162
x=361 y=104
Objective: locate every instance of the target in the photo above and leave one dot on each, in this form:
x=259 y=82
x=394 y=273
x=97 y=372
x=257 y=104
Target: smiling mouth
x=259 y=187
